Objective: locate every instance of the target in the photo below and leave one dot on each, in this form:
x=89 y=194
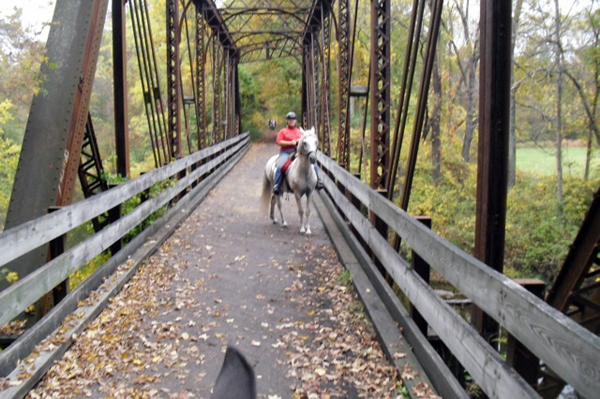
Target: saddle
x=286 y=165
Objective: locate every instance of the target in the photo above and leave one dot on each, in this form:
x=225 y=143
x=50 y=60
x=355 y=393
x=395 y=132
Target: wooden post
x=144 y=195
x=422 y=268
x=48 y=301
x=382 y=227
x=517 y=355
x=114 y=214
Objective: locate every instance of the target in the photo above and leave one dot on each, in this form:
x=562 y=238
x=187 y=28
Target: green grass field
x=542 y=161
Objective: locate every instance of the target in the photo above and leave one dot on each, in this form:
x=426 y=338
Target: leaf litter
x=137 y=343
x=155 y=337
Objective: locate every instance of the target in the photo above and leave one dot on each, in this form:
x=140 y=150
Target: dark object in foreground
x=236 y=379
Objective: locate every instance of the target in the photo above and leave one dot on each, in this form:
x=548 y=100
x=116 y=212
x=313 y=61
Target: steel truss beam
x=173 y=79
x=227 y=89
x=492 y=159
x=200 y=78
x=217 y=65
x=343 y=144
x=120 y=87
x=380 y=92
x=50 y=154
x=325 y=138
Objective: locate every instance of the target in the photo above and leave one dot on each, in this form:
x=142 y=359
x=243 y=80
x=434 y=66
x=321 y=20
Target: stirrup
x=319 y=185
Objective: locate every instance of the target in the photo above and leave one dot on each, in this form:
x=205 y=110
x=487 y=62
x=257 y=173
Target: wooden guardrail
x=564 y=346
x=205 y=164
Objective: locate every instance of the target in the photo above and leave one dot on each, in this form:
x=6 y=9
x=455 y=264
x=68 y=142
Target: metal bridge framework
x=59 y=142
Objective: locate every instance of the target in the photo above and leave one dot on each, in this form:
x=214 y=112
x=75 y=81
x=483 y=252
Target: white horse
x=300 y=179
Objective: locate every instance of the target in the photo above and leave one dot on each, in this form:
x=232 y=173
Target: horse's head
x=308 y=144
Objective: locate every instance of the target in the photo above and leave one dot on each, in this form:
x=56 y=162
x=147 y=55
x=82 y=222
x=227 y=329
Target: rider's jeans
x=283 y=156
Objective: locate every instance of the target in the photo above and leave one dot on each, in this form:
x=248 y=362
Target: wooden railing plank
x=497 y=379
x=562 y=344
x=28 y=236
x=18 y=297
x=135 y=251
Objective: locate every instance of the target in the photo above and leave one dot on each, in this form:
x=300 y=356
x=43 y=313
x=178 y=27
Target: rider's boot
x=319 y=185
x=278 y=187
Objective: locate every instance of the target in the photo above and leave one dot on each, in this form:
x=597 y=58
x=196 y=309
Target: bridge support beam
x=380 y=93
x=173 y=79
x=492 y=161
x=216 y=91
x=200 y=77
x=120 y=87
x=57 y=119
x=344 y=60
x=325 y=138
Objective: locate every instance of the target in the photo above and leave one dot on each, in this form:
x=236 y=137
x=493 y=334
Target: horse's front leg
x=307 y=213
x=300 y=212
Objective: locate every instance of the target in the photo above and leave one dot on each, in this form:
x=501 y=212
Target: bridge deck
x=228 y=275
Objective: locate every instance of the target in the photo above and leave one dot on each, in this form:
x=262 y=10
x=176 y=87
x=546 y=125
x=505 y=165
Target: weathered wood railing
x=191 y=177
x=567 y=348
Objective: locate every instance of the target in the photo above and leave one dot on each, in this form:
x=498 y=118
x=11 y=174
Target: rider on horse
x=287 y=138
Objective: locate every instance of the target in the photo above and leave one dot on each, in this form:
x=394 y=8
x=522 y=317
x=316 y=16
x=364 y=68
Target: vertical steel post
x=120 y=87
x=316 y=98
x=237 y=111
x=325 y=137
x=343 y=144
x=173 y=79
x=380 y=92
x=227 y=90
x=492 y=161
x=305 y=53
x=217 y=90
x=200 y=77
x=380 y=107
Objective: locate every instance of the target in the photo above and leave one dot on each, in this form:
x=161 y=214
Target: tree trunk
x=436 y=148
x=588 y=156
x=559 y=68
x=512 y=135
x=471 y=120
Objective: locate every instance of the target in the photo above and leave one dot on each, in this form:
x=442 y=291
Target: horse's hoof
x=302 y=231
x=274 y=221
x=284 y=224
x=308 y=232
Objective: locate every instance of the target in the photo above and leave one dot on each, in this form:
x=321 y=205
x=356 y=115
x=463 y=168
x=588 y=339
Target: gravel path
x=230 y=276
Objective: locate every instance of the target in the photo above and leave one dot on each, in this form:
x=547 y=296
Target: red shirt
x=288 y=134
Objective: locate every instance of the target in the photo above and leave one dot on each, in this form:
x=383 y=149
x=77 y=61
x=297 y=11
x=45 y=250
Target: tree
x=584 y=74
x=21 y=53
x=20 y=56
x=8 y=161
x=467 y=59
x=559 y=67
x=512 y=151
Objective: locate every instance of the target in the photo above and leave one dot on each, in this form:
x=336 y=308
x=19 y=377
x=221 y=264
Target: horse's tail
x=265 y=198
